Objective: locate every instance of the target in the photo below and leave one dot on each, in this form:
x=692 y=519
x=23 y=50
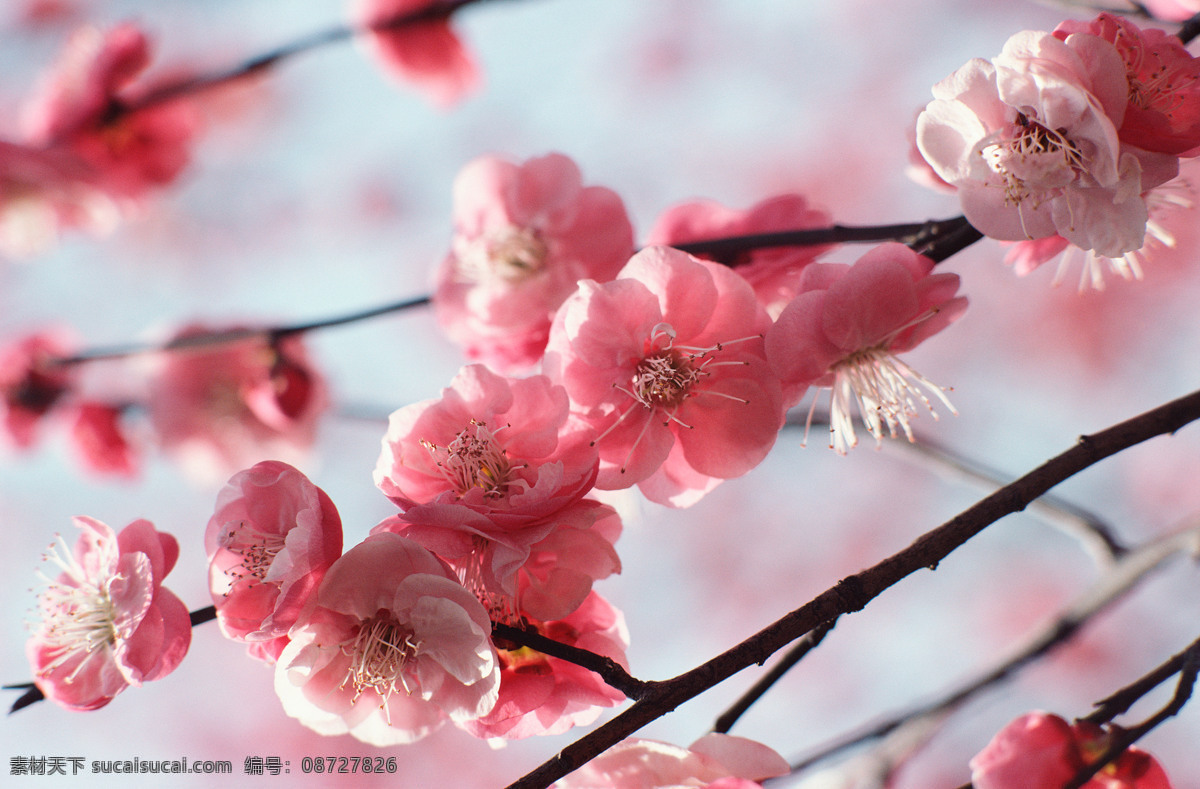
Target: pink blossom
x=540 y=694
x=43 y=193
x=1172 y=10
x=393 y=647
x=1039 y=749
x=773 y=273
x=1030 y=141
x=130 y=152
x=846 y=327
x=716 y=761
x=31 y=385
x=226 y=405
x=100 y=441
x=1163 y=113
x=106 y=621
x=666 y=364
x=524 y=235
x=270 y=541
x=427 y=54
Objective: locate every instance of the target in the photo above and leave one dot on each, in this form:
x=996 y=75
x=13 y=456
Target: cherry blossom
x=106 y=620
x=1040 y=749
x=224 y=407
x=666 y=364
x=524 y=235
x=270 y=541
x=845 y=328
x=427 y=55
x=716 y=761
x=31 y=385
x=1030 y=141
x=540 y=694
x=78 y=109
x=394 y=646
x=1163 y=113
x=99 y=440
x=773 y=273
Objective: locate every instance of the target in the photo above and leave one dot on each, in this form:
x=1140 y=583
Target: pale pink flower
x=1163 y=113
x=106 y=621
x=1172 y=10
x=1030 y=141
x=716 y=761
x=270 y=541
x=427 y=55
x=99 y=440
x=772 y=272
x=524 y=235
x=848 y=324
x=31 y=385
x=43 y=193
x=393 y=647
x=227 y=405
x=540 y=694
x=78 y=109
x=1039 y=749
x=666 y=363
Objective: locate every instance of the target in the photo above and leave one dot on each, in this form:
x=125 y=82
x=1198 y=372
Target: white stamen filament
x=509 y=254
x=257 y=548
x=77 y=616
x=475 y=459
x=379 y=654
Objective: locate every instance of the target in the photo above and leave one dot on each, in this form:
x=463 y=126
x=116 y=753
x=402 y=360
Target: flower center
x=379 y=654
x=510 y=254
x=257 y=549
x=475 y=459
x=665 y=379
x=77 y=616
x=1032 y=159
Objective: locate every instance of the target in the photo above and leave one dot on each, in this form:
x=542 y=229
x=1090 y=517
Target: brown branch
x=613 y=674
x=855 y=592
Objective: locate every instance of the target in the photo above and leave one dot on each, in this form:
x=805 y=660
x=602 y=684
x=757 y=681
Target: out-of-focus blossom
x=1172 y=10
x=43 y=193
x=846 y=327
x=80 y=108
x=540 y=694
x=1030 y=141
x=31 y=385
x=227 y=405
x=270 y=541
x=394 y=646
x=666 y=363
x=427 y=54
x=101 y=443
x=716 y=761
x=773 y=273
x=106 y=621
x=524 y=236
x=1039 y=749
x=1163 y=113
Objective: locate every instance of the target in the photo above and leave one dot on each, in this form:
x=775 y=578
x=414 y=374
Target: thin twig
x=613 y=674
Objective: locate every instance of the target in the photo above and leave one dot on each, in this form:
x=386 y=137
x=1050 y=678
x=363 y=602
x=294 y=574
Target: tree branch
x=613 y=674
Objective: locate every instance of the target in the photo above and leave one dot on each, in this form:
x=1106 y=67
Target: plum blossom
x=773 y=273
x=666 y=363
x=848 y=324
x=1040 y=749
x=716 y=761
x=80 y=109
x=540 y=694
x=270 y=541
x=427 y=54
x=394 y=646
x=524 y=235
x=31 y=384
x=224 y=406
x=1172 y=10
x=106 y=620
x=99 y=440
x=1030 y=141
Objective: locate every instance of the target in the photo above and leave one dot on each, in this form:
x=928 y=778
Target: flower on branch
x=715 y=761
x=106 y=622
x=393 y=647
x=100 y=441
x=270 y=541
x=524 y=236
x=1040 y=749
x=847 y=326
x=666 y=364
x=31 y=385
